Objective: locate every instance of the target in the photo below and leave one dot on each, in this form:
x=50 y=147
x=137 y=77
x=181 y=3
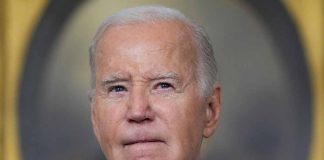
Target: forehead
x=162 y=44
x=168 y=34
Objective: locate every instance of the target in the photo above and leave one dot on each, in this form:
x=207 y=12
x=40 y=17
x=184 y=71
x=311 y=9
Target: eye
x=117 y=88
x=163 y=85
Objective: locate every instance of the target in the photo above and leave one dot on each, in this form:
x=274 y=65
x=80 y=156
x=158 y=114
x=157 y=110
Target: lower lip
x=145 y=146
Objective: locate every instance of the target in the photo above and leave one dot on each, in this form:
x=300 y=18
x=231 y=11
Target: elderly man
x=155 y=93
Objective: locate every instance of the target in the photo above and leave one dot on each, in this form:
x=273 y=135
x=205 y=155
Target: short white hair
x=206 y=63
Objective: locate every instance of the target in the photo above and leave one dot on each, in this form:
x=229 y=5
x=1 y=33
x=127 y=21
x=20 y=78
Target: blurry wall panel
x=309 y=18
x=18 y=19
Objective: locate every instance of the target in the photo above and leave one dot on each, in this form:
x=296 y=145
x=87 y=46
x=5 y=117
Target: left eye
x=163 y=85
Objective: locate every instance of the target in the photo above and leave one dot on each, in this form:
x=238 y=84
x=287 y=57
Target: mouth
x=142 y=141
x=144 y=148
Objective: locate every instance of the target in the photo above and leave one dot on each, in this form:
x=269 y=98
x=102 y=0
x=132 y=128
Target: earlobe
x=212 y=112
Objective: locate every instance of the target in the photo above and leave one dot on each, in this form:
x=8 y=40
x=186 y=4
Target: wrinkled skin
x=147 y=103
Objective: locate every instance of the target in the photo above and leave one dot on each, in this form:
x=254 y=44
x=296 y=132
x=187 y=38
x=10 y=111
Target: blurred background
x=269 y=54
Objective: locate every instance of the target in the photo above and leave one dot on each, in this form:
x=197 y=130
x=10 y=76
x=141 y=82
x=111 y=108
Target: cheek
x=182 y=114
x=184 y=118
x=108 y=116
x=191 y=115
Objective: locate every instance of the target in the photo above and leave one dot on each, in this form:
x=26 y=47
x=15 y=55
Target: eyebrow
x=168 y=75
x=113 y=78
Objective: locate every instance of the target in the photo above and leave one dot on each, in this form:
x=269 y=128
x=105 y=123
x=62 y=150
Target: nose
x=139 y=109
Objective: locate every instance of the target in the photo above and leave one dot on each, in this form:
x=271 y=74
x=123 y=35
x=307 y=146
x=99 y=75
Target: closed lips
x=142 y=140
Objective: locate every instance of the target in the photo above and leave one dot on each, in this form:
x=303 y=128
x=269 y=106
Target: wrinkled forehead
x=146 y=48
x=169 y=34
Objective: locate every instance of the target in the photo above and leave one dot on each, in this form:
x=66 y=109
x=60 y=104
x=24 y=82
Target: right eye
x=117 y=89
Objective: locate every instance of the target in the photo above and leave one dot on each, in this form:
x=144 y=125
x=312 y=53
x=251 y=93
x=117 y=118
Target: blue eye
x=164 y=85
x=117 y=88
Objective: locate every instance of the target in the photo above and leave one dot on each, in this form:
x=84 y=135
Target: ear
x=212 y=112
x=94 y=121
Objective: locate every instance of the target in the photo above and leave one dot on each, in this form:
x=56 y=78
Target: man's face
x=148 y=104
